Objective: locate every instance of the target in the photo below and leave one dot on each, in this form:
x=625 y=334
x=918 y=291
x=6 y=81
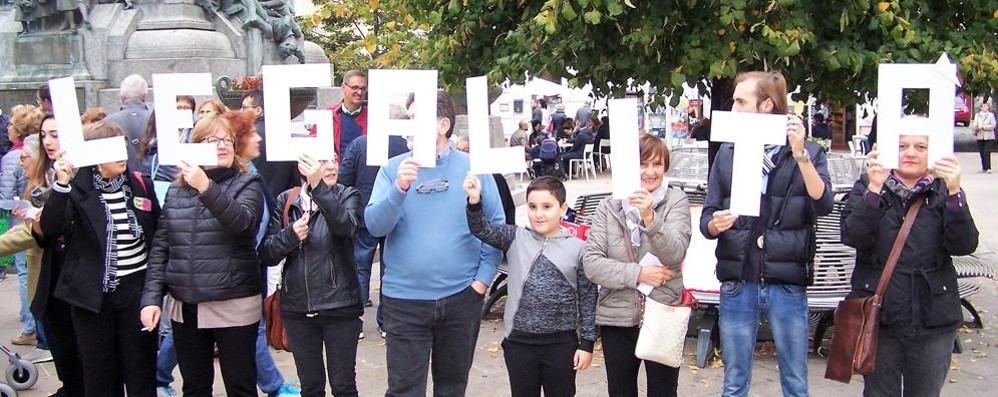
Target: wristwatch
x=803 y=158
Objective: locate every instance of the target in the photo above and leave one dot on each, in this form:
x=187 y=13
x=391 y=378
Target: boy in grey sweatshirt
x=550 y=318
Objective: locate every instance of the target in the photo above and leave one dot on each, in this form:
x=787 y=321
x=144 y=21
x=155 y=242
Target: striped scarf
x=113 y=185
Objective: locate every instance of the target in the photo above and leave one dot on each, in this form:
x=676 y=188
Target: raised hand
x=875 y=171
x=948 y=168
x=408 y=172
x=473 y=187
x=194 y=176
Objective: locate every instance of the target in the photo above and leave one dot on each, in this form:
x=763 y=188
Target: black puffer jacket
x=922 y=296
x=320 y=273
x=205 y=247
x=789 y=224
x=79 y=217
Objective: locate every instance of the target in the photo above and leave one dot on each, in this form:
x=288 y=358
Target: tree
x=361 y=34
x=828 y=47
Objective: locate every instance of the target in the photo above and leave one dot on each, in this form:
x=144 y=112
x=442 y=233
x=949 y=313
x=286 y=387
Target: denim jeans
x=364 y=246
x=21 y=264
x=338 y=335
x=445 y=330
x=269 y=378
x=743 y=303
x=915 y=364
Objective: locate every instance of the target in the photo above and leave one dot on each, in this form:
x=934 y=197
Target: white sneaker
x=39 y=356
x=361 y=336
x=166 y=391
x=383 y=333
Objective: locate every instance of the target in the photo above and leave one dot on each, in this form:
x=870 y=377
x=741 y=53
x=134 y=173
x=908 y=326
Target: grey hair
x=31 y=146
x=133 y=87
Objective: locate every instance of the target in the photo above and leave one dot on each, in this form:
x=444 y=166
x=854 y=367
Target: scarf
x=113 y=185
x=632 y=215
x=768 y=164
x=895 y=185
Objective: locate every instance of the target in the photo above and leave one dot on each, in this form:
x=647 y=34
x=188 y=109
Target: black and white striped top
x=131 y=255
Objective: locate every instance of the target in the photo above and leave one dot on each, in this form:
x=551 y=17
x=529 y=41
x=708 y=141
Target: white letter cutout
x=750 y=132
x=169 y=120
x=281 y=146
x=484 y=158
x=939 y=78
x=383 y=85
x=625 y=157
x=79 y=152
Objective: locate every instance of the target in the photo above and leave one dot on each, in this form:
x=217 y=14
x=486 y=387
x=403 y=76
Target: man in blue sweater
x=436 y=272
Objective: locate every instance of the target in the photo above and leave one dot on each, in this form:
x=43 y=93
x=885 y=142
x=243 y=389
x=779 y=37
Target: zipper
x=304 y=261
x=197 y=220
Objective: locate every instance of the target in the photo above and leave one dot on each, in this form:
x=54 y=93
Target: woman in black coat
x=921 y=307
x=320 y=301
x=204 y=259
x=107 y=217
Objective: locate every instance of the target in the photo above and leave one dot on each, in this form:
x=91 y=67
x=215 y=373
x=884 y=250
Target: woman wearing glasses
x=204 y=256
x=320 y=301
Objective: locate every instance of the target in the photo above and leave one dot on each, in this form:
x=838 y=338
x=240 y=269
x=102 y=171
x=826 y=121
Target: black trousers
x=914 y=366
x=308 y=336
x=622 y=366
x=114 y=351
x=57 y=323
x=984 y=148
x=535 y=367
x=195 y=354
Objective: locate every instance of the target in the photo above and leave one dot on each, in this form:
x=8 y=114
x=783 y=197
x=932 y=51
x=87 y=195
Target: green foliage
x=828 y=47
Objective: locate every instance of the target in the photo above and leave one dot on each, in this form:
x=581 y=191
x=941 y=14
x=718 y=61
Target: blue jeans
x=21 y=264
x=268 y=378
x=444 y=330
x=364 y=246
x=743 y=303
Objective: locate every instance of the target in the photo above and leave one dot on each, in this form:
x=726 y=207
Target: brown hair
x=215 y=103
x=147 y=139
x=38 y=176
x=93 y=115
x=548 y=184
x=25 y=119
x=242 y=123
x=100 y=130
x=653 y=147
x=445 y=110
x=769 y=85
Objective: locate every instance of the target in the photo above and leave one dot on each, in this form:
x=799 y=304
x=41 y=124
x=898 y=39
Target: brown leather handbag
x=857 y=320
x=276 y=336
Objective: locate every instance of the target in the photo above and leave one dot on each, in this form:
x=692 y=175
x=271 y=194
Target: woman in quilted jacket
x=204 y=258
x=654 y=220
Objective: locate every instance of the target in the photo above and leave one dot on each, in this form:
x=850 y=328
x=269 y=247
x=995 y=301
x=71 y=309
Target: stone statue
x=51 y=15
x=275 y=18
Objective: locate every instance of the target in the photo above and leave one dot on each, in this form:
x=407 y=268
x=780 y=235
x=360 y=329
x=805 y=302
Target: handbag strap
x=892 y=259
x=292 y=196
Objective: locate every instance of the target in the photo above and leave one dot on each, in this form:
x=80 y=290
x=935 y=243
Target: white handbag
x=663 y=333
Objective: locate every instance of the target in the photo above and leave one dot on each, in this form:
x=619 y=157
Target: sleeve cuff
x=586 y=345
x=956 y=202
x=396 y=194
x=61 y=188
x=871 y=199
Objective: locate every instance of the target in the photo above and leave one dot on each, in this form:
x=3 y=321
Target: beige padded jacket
x=611 y=261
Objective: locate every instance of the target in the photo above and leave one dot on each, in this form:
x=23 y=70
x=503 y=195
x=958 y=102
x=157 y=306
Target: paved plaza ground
x=972 y=373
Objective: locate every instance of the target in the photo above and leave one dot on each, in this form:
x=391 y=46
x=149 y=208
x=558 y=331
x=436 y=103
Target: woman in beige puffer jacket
x=984 y=130
x=655 y=220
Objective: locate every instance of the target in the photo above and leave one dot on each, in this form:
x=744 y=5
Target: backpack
x=548 y=150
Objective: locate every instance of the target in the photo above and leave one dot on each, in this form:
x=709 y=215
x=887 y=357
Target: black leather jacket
x=320 y=272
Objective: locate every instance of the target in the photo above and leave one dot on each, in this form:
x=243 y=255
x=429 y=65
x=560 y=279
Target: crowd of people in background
x=130 y=268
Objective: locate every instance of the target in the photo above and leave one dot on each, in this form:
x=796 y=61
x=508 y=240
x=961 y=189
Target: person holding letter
x=767 y=259
x=436 y=272
x=204 y=255
x=654 y=220
x=921 y=311
x=107 y=215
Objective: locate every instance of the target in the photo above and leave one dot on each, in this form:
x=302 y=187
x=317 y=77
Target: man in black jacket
x=764 y=262
x=278 y=176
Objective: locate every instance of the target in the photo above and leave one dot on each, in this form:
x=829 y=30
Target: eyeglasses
x=184 y=107
x=244 y=107
x=215 y=140
x=434 y=186
x=356 y=87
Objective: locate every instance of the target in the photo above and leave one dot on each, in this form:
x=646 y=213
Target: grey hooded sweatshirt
x=550 y=298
